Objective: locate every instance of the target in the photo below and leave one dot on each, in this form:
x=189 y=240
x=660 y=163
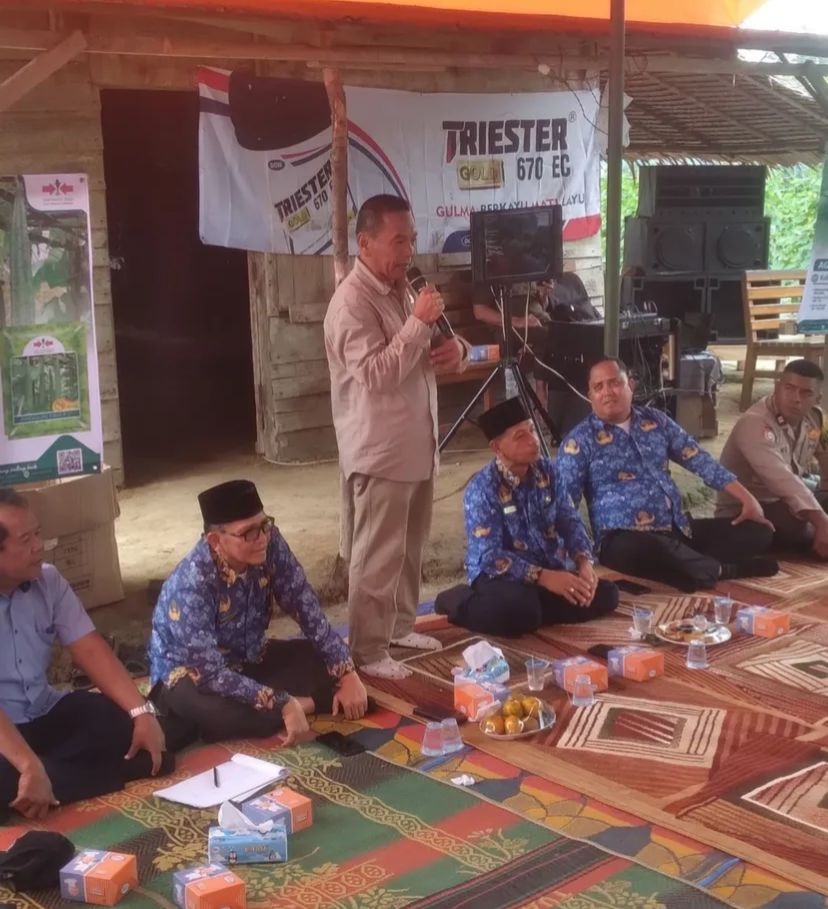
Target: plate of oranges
x=518 y=717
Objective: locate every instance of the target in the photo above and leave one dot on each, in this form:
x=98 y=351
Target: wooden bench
x=770 y=300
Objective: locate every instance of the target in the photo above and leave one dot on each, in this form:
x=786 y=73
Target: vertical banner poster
x=50 y=409
x=265 y=159
x=813 y=311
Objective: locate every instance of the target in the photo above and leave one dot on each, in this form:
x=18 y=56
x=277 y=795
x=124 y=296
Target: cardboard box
x=281 y=804
x=79 y=514
x=566 y=671
x=761 y=621
x=102 y=878
x=472 y=698
x=208 y=887
x=247 y=847
x=636 y=663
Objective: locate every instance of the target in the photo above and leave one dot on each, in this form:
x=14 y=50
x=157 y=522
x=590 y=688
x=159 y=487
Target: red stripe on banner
x=578 y=228
x=306 y=153
x=213 y=78
x=360 y=133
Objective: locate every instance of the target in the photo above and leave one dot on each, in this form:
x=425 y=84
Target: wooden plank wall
x=57 y=128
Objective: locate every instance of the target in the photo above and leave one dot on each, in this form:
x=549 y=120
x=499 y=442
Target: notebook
x=238 y=778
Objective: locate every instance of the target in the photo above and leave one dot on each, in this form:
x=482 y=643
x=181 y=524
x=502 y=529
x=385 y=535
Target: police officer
x=772 y=450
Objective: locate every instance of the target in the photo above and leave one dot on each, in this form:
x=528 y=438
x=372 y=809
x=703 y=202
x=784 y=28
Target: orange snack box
x=636 y=663
x=566 y=671
x=99 y=877
x=471 y=698
x=764 y=622
x=280 y=804
x=208 y=887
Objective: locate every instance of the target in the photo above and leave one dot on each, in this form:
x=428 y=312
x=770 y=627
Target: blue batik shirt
x=515 y=528
x=210 y=620
x=625 y=476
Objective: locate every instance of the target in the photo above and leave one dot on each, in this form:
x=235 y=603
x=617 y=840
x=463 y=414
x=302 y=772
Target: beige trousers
x=391 y=523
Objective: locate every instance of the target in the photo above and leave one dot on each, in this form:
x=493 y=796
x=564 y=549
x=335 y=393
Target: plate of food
x=518 y=717
x=687 y=631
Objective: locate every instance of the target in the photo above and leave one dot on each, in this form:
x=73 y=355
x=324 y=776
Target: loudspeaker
x=724 y=303
x=660 y=246
x=701 y=191
x=737 y=245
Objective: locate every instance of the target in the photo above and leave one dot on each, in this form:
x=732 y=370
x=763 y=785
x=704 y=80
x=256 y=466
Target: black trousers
x=791 y=534
x=689 y=563
x=511 y=608
x=81 y=741
x=189 y=713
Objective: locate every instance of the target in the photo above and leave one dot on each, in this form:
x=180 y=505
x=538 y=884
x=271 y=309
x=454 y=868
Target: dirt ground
x=160 y=522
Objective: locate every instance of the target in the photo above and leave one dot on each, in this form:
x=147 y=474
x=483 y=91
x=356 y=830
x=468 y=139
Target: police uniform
x=771 y=458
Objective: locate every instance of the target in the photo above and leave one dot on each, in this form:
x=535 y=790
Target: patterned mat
x=383 y=837
x=721 y=875
x=706 y=754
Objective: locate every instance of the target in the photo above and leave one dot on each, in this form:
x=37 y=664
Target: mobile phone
x=632 y=587
x=600 y=650
x=341 y=744
x=438 y=714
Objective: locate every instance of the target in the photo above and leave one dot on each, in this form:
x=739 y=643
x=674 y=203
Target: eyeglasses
x=253 y=533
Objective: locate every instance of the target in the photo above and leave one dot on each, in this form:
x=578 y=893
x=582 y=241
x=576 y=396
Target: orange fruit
x=531 y=706
x=494 y=725
x=513 y=707
x=513 y=725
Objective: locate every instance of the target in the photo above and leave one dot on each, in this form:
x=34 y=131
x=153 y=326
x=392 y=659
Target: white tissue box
x=246 y=847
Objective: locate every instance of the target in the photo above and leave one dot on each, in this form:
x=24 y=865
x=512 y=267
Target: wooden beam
x=359 y=56
x=38 y=70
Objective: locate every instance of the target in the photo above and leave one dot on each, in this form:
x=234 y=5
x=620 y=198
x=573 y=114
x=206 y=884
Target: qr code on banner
x=69 y=461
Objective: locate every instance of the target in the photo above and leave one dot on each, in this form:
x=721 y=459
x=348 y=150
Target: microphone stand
x=508 y=365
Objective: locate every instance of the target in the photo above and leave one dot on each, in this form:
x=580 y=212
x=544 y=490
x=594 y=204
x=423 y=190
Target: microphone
x=416 y=282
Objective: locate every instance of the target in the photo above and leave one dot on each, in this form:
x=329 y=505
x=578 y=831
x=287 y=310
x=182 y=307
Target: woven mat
x=710 y=755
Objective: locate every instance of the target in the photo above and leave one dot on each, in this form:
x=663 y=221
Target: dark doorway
x=182 y=313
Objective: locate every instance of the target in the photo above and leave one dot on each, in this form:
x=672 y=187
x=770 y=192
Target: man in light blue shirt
x=58 y=747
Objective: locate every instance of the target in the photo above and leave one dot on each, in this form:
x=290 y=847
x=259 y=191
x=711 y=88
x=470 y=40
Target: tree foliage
x=791 y=197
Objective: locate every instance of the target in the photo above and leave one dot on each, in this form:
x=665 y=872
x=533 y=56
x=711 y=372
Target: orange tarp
x=676 y=13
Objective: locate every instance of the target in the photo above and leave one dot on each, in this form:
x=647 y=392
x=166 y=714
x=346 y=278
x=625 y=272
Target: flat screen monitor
x=518 y=244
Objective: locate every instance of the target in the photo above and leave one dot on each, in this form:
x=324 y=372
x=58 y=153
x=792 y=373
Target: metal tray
x=547 y=711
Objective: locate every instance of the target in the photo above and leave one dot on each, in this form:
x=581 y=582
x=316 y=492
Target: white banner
x=50 y=405
x=265 y=171
x=813 y=310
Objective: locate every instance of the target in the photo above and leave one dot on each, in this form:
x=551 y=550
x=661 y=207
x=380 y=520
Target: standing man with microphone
x=383 y=351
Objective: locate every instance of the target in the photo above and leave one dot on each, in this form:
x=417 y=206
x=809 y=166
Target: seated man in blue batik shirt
x=518 y=537
x=214 y=673
x=60 y=746
x=619 y=458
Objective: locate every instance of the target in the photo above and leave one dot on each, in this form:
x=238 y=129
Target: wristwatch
x=146 y=707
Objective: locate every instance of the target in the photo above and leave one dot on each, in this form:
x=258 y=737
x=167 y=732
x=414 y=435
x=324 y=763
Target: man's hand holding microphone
x=428 y=308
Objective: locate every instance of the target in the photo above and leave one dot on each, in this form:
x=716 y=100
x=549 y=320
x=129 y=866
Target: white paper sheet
x=239 y=777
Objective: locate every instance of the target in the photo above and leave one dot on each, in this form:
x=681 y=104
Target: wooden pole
x=615 y=151
x=339 y=171
x=337 y=586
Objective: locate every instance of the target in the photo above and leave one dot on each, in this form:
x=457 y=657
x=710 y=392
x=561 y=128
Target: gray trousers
x=391 y=523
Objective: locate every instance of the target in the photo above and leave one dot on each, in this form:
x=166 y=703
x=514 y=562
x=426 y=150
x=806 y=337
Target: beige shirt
x=769 y=457
x=383 y=387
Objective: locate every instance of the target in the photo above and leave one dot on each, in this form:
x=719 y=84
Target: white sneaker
x=418 y=642
x=386 y=668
